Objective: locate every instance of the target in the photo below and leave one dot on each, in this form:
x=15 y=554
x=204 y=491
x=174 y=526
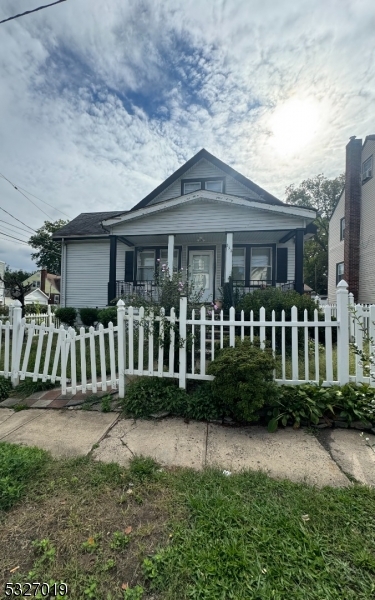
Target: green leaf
x=272 y=425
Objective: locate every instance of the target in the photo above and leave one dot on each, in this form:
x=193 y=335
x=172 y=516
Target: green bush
x=202 y=404
x=108 y=315
x=148 y=395
x=4 y=312
x=36 y=309
x=5 y=388
x=306 y=404
x=18 y=466
x=89 y=316
x=67 y=315
x=243 y=380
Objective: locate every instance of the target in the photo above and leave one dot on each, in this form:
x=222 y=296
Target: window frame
x=156 y=250
x=338 y=278
x=202 y=181
x=248 y=248
x=270 y=266
x=342 y=229
x=370 y=161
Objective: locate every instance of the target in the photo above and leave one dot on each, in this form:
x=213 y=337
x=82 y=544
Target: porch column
x=112 y=268
x=298 y=271
x=170 y=254
x=229 y=257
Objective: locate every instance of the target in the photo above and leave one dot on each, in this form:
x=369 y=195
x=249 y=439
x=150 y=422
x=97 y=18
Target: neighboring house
x=36 y=297
x=2 y=286
x=48 y=283
x=205 y=218
x=352 y=225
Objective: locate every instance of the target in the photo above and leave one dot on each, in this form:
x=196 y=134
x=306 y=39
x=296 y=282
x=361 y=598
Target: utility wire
x=11 y=230
x=16 y=188
x=12 y=236
x=14 y=226
x=44 y=202
x=31 y=11
x=11 y=241
x=13 y=217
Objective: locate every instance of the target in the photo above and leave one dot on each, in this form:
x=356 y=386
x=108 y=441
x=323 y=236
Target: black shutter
x=129 y=265
x=282 y=265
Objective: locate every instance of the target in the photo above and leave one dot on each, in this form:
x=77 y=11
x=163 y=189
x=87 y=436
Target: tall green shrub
x=243 y=380
x=67 y=315
x=89 y=316
x=108 y=315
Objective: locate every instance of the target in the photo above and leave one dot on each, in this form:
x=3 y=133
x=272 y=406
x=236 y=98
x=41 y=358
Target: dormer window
x=192 y=186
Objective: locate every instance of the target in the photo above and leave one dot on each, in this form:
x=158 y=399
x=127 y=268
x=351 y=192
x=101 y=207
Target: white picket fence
x=182 y=348
x=47 y=318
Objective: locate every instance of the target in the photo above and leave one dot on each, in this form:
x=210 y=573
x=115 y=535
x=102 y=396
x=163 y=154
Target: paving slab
x=285 y=454
x=64 y=434
x=171 y=442
x=351 y=453
x=5 y=414
x=9 y=402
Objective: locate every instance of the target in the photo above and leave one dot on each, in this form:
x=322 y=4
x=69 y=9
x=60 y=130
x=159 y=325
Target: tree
x=14 y=283
x=48 y=255
x=322 y=194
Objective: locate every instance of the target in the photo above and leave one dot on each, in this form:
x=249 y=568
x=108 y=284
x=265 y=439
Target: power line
x=14 y=238
x=27 y=198
x=11 y=230
x=15 y=226
x=31 y=11
x=11 y=242
x=44 y=202
x=13 y=217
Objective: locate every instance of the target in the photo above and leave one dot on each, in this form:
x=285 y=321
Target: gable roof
x=36 y=292
x=87 y=224
x=267 y=197
x=199 y=195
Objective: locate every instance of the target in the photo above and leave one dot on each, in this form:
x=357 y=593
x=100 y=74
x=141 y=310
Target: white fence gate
x=179 y=347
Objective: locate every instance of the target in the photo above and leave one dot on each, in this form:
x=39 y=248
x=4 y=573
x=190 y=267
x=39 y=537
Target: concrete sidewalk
x=322 y=459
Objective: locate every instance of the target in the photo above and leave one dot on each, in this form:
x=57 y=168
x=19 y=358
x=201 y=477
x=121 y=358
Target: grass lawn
x=180 y=535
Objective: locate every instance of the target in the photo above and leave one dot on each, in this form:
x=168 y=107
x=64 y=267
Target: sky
x=101 y=100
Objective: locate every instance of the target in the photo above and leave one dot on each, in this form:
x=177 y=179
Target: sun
x=293 y=125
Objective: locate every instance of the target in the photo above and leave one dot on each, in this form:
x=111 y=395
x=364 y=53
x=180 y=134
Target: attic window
x=192 y=186
x=214 y=186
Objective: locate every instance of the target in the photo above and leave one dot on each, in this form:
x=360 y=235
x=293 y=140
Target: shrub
x=89 y=316
x=354 y=403
x=5 y=388
x=18 y=466
x=243 y=380
x=4 y=312
x=148 y=395
x=36 y=309
x=108 y=315
x=67 y=315
x=202 y=404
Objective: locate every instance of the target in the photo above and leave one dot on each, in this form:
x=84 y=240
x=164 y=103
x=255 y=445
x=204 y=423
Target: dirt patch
x=79 y=517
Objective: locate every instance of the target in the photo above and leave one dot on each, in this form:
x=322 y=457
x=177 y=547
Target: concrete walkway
x=320 y=460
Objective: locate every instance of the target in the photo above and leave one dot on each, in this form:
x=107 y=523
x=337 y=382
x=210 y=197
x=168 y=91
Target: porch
x=252 y=259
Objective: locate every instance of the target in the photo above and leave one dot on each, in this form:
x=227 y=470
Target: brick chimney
x=43 y=279
x=353 y=190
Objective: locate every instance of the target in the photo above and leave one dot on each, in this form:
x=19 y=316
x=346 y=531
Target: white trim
x=206 y=195
x=229 y=257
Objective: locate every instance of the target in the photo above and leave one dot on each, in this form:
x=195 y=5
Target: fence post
x=49 y=315
x=182 y=340
x=16 y=342
x=121 y=347
x=351 y=317
x=342 y=332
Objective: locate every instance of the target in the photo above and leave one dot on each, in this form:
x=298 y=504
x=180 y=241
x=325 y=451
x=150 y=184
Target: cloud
x=100 y=102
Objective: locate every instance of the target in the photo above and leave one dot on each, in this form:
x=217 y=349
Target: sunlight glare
x=293 y=125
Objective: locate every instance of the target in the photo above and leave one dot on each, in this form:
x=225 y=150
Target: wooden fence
x=181 y=346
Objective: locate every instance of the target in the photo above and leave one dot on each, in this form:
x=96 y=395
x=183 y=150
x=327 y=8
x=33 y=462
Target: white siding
x=87 y=273
x=335 y=247
x=204 y=168
x=367 y=236
x=203 y=216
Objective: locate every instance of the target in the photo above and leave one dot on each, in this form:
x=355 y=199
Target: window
x=146 y=265
x=238 y=264
x=192 y=186
x=214 y=186
x=342 y=228
x=261 y=264
x=367 y=168
x=56 y=299
x=35 y=284
x=339 y=272
x=164 y=258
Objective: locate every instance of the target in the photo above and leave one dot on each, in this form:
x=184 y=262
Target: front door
x=201 y=272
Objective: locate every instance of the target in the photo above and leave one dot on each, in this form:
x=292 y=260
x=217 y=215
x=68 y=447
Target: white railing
x=181 y=346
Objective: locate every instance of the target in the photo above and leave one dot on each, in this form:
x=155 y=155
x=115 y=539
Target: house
x=206 y=218
x=48 y=283
x=37 y=297
x=352 y=225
